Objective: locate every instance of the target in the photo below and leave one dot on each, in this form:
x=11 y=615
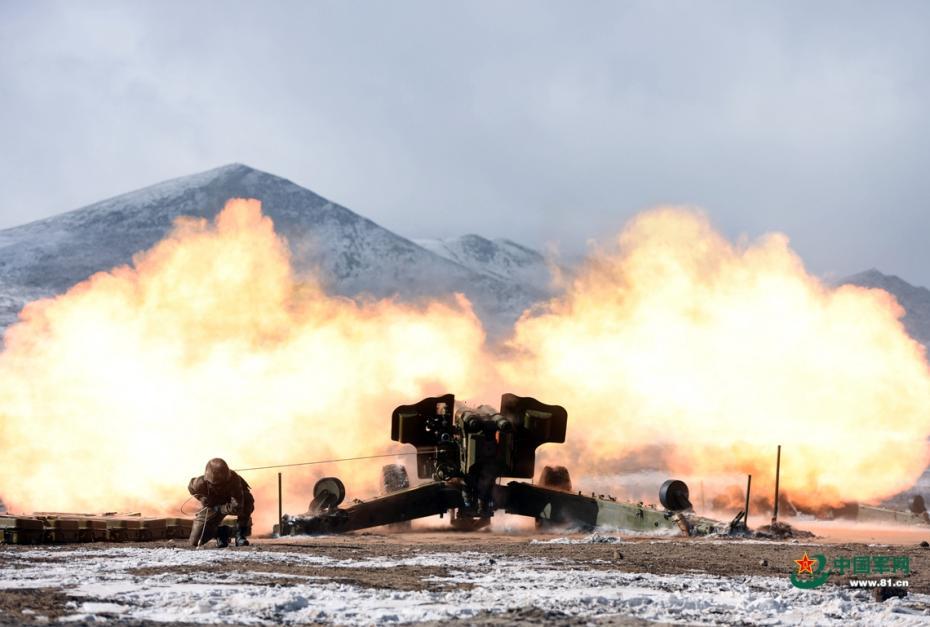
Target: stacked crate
x=73 y=527
x=59 y=530
x=21 y=530
x=58 y=527
x=154 y=529
x=124 y=529
x=179 y=528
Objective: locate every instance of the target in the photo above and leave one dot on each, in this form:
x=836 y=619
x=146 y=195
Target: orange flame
x=115 y=393
x=718 y=353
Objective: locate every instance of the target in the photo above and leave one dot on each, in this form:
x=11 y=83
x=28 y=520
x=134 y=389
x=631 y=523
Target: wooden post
x=280 y=509
x=746 y=509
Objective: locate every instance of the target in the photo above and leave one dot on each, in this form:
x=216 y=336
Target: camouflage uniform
x=221 y=492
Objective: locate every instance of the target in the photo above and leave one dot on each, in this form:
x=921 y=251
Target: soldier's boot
x=222 y=537
x=242 y=535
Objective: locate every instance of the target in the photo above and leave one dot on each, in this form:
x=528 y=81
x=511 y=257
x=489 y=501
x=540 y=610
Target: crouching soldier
x=221 y=493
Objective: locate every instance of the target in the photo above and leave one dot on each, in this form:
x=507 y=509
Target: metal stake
x=777 y=475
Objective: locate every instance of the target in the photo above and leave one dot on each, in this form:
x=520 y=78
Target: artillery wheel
x=675 y=496
x=328 y=493
x=394 y=478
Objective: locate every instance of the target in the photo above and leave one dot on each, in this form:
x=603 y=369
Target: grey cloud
x=535 y=121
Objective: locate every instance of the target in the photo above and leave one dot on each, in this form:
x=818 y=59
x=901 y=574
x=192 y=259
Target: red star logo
x=805 y=565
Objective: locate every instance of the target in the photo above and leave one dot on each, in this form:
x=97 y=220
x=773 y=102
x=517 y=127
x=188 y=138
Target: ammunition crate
x=61 y=530
x=154 y=529
x=21 y=530
x=179 y=528
x=92 y=529
x=124 y=529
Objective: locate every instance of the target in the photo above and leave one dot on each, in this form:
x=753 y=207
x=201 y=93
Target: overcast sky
x=541 y=122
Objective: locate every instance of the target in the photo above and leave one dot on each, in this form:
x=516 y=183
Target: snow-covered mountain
x=356 y=255
x=914 y=299
x=499 y=259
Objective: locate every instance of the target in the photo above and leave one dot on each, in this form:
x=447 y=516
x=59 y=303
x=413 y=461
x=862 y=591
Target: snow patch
x=594 y=538
x=473 y=583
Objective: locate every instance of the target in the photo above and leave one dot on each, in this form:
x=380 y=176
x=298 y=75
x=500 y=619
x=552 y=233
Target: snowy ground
x=260 y=586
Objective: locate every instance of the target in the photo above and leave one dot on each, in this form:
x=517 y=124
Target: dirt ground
x=657 y=555
x=663 y=556
x=728 y=557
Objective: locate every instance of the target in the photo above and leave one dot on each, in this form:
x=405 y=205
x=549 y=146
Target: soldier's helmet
x=217 y=471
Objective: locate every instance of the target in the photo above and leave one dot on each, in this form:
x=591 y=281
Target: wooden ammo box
x=124 y=529
x=21 y=530
x=154 y=529
x=179 y=528
x=61 y=530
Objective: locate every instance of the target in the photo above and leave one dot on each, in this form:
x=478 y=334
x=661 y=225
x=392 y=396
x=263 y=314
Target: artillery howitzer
x=464 y=454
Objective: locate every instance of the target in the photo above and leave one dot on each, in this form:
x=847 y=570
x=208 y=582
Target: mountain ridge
x=498 y=258
x=914 y=298
x=357 y=256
